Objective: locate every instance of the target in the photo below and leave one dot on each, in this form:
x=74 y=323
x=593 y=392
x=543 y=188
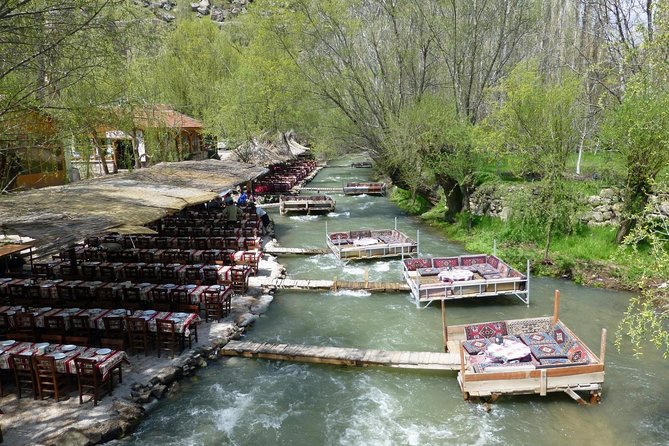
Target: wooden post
x=366 y=277
x=556 y=307
x=444 y=329
x=602 y=347
x=462 y=370
x=334 y=284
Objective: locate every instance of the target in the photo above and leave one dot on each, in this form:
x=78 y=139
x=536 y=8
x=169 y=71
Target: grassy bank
x=588 y=256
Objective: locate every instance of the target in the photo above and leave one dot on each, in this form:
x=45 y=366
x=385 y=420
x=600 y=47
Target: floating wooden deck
x=354 y=357
x=302 y=284
x=322 y=189
x=278 y=250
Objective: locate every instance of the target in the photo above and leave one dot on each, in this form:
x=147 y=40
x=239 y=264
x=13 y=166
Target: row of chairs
x=119 y=333
x=38 y=375
x=170 y=255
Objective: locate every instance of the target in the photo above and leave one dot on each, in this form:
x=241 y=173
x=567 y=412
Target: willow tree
x=537 y=123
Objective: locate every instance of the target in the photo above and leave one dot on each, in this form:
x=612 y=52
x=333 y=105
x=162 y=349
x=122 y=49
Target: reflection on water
x=256 y=402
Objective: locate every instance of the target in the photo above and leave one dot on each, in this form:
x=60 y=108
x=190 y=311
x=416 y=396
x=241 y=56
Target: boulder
x=168 y=375
x=246 y=319
x=263 y=304
x=159 y=390
x=608 y=193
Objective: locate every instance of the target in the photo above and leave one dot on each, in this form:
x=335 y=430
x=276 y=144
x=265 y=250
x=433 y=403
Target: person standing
x=231 y=214
x=264 y=218
x=241 y=201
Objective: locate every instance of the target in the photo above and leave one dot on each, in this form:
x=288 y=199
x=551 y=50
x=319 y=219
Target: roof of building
x=60 y=216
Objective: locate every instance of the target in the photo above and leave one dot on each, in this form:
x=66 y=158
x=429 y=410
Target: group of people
x=232 y=212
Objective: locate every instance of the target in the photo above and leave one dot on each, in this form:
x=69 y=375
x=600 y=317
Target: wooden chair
x=213 y=305
x=24 y=327
x=148 y=273
x=5 y=327
x=251 y=258
x=54 y=329
x=34 y=295
x=90 y=381
x=169 y=274
x=24 y=374
x=167 y=338
x=193 y=275
x=161 y=299
x=80 y=327
x=211 y=257
x=65 y=295
x=200 y=243
x=82 y=297
x=146 y=256
x=131 y=272
x=161 y=242
x=114 y=329
x=49 y=381
x=138 y=335
x=89 y=272
x=107 y=273
x=105 y=297
x=132 y=298
x=210 y=275
x=239 y=279
x=42 y=270
x=184 y=303
x=18 y=295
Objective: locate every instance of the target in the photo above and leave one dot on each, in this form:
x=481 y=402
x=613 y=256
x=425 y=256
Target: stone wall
x=219 y=10
x=600 y=210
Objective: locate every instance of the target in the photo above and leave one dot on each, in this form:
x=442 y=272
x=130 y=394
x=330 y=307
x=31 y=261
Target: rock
x=168 y=375
x=607 y=193
x=165 y=16
x=246 y=319
x=217 y=15
x=263 y=304
x=159 y=390
x=73 y=437
x=203 y=11
x=194 y=6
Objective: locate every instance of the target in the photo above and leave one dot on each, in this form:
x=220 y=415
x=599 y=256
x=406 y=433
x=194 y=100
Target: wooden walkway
x=322 y=189
x=344 y=356
x=279 y=250
x=304 y=284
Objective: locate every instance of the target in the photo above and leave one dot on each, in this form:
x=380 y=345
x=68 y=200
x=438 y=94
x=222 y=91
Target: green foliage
x=411 y=203
x=639 y=129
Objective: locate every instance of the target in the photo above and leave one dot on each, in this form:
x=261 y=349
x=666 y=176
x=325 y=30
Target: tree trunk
x=453 y=195
x=102 y=153
x=625 y=227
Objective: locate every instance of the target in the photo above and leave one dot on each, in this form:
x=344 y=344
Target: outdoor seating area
x=479 y=275
x=306 y=204
x=525 y=356
x=284 y=176
x=365 y=188
x=370 y=244
x=56 y=370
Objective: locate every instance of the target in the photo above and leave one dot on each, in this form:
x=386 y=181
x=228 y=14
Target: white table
x=453 y=275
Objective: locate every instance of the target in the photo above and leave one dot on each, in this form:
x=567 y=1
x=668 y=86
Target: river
x=257 y=402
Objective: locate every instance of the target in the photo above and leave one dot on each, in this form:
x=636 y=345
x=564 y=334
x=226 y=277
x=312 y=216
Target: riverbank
x=146 y=381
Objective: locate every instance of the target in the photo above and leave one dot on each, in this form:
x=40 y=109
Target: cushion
x=485 y=330
x=475 y=346
x=529 y=326
x=577 y=353
x=503 y=269
x=537 y=338
x=445 y=262
x=472 y=260
x=492 y=261
x=414 y=264
x=561 y=336
x=544 y=351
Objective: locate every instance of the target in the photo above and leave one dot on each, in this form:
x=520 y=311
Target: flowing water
x=257 y=402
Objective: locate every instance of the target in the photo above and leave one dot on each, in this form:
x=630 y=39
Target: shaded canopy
x=60 y=216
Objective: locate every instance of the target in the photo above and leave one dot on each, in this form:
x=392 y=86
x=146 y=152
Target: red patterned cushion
x=414 y=264
x=577 y=353
x=445 y=262
x=472 y=260
x=492 y=261
x=485 y=330
x=537 y=338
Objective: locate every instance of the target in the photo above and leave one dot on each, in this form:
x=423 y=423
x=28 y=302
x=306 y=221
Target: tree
x=536 y=121
x=639 y=129
x=432 y=140
x=648 y=312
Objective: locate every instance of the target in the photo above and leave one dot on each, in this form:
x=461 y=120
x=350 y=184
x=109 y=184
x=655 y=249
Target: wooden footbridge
x=279 y=250
x=335 y=285
x=344 y=356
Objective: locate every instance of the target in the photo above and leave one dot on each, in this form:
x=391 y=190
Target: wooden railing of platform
x=354 y=357
x=335 y=285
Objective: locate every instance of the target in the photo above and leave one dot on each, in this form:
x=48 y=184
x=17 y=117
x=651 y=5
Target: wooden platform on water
x=344 y=356
x=278 y=250
x=322 y=189
x=303 y=284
